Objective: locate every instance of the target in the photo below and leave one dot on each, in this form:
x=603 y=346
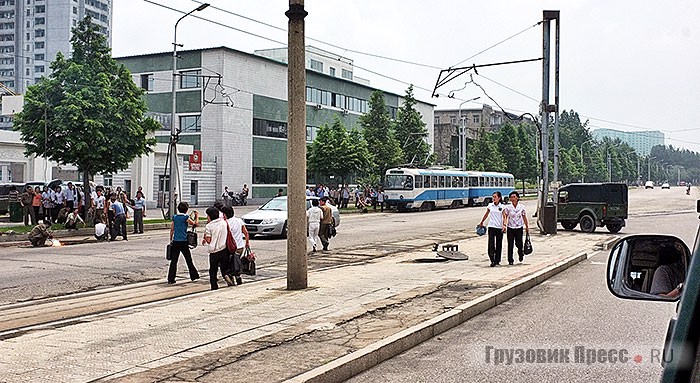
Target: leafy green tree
x=528 y=167
x=88 y=112
x=335 y=151
x=571 y=130
x=483 y=153
x=410 y=131
x=509 y=147
x=384 y=148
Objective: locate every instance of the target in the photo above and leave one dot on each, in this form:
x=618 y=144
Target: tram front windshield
x=396 y=182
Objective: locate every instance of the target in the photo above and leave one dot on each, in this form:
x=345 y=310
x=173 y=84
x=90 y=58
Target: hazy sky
x=626 y=65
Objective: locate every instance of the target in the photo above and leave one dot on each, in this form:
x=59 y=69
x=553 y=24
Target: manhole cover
x=453 y=255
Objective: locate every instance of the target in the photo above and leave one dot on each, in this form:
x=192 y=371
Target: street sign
x=196 y=160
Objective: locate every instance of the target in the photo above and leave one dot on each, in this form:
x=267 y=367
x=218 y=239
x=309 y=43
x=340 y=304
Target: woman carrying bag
x=241 y=238
x=515 y=218
x=178 y=242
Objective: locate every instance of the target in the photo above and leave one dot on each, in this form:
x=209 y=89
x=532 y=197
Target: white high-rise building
x=32 y=32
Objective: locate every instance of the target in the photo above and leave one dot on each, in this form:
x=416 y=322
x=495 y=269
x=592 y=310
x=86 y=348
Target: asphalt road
x=32 y=273
x=573 y=309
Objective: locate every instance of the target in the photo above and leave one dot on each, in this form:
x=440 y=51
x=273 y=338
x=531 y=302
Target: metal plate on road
x=453 y=255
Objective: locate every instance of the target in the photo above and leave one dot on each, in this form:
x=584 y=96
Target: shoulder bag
x=248 y=262
x=230 y=243
x=192 y=238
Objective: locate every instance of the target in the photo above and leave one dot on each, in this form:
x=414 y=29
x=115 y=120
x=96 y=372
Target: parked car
x=271 y=218
x=634 y=264
x=5 y=190
x=649 y=185
x=665 y=185
x=591 y=205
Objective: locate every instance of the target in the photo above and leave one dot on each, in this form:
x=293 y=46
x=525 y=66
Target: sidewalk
x=260 y=332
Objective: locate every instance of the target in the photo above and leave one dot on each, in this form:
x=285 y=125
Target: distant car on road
x=665 y=185
x=649 y=185
x=271 y=218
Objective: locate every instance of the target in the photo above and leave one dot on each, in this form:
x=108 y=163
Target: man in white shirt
x=98 y=202
x=215 y=234
x=69 y=195
x=313 y=219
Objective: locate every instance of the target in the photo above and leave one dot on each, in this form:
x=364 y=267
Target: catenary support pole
x=297 y=277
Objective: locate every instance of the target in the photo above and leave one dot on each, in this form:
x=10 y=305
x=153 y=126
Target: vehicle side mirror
x=648 y=267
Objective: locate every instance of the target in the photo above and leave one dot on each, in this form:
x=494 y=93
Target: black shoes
x=239 y=281
x=229 y=281
x=520 y=258
x=493 y=264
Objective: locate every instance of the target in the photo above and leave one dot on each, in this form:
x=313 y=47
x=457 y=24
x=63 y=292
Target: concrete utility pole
x=297 y=277
x=174 y=178
x=546 y=216
x=556 y=101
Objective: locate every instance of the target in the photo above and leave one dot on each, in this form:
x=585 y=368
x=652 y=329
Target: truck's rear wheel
x=614 y=227
x=587 y=224
x=569 y=225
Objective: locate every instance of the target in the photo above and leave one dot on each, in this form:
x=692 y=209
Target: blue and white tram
x=482 y=185
x=427 y=189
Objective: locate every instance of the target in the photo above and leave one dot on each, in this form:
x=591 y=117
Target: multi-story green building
x=232 y=106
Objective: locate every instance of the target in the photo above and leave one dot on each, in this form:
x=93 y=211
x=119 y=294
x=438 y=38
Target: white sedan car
x=665 y=185
x=271 y=218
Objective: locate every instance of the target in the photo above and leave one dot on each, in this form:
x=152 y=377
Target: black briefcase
x=169 y=252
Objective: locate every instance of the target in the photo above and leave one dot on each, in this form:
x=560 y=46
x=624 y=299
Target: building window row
x=97 y=4
x=39 y=21
x=7 y=72
x=324 y=97
x=38 y=45
x=269 y=176
x=7 y=61
x=267 y=128
x=190 y=124
x=7 y=14
x=7 y=25
x=346 y=74
x=316 y=65
x=39 y=33
x=190 y=79
x=7 y=49
x=7 y=2
x=147 y=81
x=39 y=9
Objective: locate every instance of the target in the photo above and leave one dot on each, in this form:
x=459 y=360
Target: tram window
x=456 y=182
x=473 y=181
x=426 y=180
x=441 y=179
x=434 y=181
x=419 y=182
x=408 y=183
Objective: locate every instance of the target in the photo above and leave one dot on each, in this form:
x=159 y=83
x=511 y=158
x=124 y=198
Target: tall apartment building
x=641 y=142
x=32 y=32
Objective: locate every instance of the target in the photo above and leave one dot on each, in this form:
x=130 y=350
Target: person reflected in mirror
x=494 y=212
x=669 y=276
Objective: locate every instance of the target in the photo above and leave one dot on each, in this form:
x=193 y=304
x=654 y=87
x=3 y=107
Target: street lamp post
x=173 y=175
x=463 y=136
x=583 y=165
x=649 y=158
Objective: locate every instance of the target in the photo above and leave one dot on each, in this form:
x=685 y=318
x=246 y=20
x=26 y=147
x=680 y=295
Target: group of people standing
x=220 y=222
x=364 y=197
x=505 y=218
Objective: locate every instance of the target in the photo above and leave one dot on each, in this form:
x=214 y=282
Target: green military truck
x=591 y=205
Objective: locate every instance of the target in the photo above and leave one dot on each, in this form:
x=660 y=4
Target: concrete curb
x=361 y=360
x=7 y=240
